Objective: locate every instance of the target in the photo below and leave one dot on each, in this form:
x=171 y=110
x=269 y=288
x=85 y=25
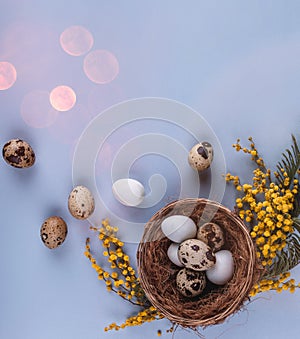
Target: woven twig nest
x=158 y=274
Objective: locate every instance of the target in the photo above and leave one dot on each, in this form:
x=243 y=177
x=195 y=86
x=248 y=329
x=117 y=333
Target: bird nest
x=158 y=274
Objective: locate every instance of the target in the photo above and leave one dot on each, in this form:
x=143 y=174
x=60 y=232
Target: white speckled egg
x=223 y=270
x=18 y=153
x=190 y=283
x=212 y=234
x=195 y=254
x=179 y=228
x=81 y=202
x=201 y=156
x=53 y=232
x=173 y=254
x=128 y=192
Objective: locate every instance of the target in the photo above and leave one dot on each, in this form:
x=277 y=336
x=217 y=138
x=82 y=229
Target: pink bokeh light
x=8 y=75
x=33 y=49
x=62 y=98
x=101 y=66
x=76 y=40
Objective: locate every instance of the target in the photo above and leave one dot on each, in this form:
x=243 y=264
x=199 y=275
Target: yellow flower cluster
x=147 y=315
x=122 y=278
x=280 y=284
x=266 y=207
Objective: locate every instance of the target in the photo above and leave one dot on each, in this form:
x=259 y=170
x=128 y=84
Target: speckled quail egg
x=212 y=234
x=81 y=202
x=195 y=254
x=201 y=156
x=18 y=153
x=190 y=283
x=53 y=232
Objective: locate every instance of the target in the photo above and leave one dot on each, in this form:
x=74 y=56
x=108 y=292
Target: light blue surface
x=234 y=62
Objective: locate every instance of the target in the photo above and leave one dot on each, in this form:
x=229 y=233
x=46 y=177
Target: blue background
x=236 y=63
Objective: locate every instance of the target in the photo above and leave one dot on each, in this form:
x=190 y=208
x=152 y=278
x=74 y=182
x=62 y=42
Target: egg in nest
x=196 y=255
x=212 y=234
x=190 y=283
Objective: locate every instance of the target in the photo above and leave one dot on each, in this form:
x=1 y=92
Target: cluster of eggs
x=19 y=154
x=129 y=192
x=198 y=252
x=81 y=205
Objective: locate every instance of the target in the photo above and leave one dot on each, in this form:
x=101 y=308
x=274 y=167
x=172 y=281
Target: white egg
x=173 y=254
x=223 y=269
x=179 y=228
x=128 y=192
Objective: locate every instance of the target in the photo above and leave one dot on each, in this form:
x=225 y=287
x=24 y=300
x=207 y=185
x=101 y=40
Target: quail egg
x=53 y=232
x=18 y=153
x=190 y=283
x=81 y=202
x=223 y=270
x=128 y=192
x=195 y=254
x=173 y=254
x=179 y=228
x=201 y=156
x=212 y=234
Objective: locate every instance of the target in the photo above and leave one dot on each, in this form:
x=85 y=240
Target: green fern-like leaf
x=290 y=256
x=288 y=259
x=290 y=163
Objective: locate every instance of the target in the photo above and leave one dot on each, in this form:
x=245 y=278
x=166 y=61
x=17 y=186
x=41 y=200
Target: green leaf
x=288 y=258
x=290 y=163
x=296 y=224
